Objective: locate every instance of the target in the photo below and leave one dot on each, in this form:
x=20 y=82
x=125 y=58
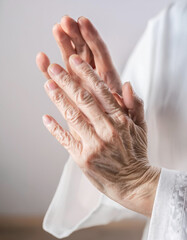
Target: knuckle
x=83 y=97
x=97 y=83
x=54 y=129
x=86 y=69
x=62 y=136
x=88 y=72
x=57 y=97
x=72 y=115
x=100 y=85
x=78 y=147
x=65 y=80
x=64 y=139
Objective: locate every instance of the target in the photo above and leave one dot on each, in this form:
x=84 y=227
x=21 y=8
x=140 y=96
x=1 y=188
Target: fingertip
x=82 y=20
x=65 y=19
x=42 y=61
x=56 y=28
x=65 y=16
x=75 y=59
x=55 y=69
x=85 y=24
x=127 y=87
x=59 y=33
x=39 y=54
x=69 y=25
x=128 y=95
x=87 y=29
x=39 y=57
x=46 y=119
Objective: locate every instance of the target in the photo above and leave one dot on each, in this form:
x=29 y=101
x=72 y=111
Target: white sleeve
x=78 y=204
x=139 y=68
x=169 y=216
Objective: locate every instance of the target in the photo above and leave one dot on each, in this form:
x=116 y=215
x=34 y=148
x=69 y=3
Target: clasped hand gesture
x=108 y=133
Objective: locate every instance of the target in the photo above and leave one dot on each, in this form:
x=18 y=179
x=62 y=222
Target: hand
x=112 y=150
x=82 y=38
x=79 y=37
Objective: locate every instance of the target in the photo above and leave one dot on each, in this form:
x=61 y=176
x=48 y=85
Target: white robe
x=157 y=70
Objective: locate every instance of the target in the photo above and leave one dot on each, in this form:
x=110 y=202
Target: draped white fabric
x=157 y=70
x=169 y=216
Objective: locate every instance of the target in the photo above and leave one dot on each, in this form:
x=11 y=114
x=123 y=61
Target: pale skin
x=108 y=133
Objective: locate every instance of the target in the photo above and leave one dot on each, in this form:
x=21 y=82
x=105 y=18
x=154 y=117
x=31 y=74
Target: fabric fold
x=78 y=204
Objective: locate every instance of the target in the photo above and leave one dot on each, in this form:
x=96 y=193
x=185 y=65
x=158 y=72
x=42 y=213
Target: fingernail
x=80 y=19
x=55 y=26
x=75 y=59
x=46 y=119
x=66 y=15
x=51 y=85
x=55 y=69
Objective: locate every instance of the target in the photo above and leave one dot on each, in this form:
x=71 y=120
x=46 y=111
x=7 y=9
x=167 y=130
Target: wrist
x=149 y=188
x=142 y=198
x=151 y=193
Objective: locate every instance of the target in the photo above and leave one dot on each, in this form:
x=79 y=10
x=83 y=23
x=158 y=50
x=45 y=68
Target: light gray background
x=31 y=160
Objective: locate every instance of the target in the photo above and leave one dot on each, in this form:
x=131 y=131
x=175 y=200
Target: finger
x=70 y=112
x=63 y=137
x=71 y=28
x=83 y=99
x=43 y=63
x=103 y=62
x=134 y=104
x=98 y=88
x=119 y=99
x=64 y=43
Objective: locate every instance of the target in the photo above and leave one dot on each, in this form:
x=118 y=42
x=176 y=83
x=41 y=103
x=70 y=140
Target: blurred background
x=31 y=160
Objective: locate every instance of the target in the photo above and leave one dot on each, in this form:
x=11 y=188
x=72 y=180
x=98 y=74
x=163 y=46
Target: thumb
x=134 y=105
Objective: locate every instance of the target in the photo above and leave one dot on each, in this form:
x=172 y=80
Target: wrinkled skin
x=108 y=138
